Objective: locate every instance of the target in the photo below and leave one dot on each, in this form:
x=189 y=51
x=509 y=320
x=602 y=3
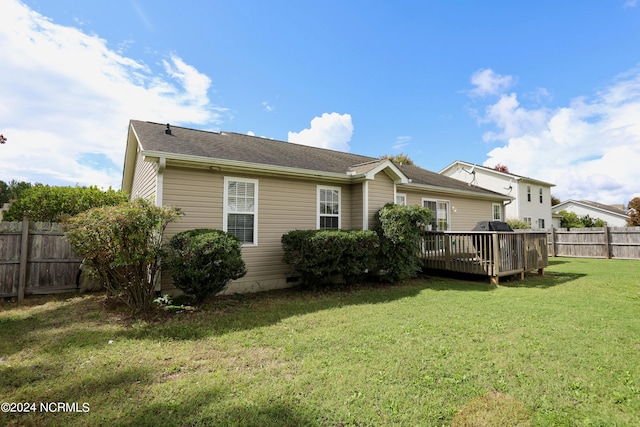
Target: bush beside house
x=392 y=249
x=123 y=246
x=203 y=261
x=318 y=255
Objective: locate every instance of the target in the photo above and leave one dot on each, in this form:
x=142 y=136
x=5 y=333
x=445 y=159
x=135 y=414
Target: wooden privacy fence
x=35 y=258
x=492 y=254
x=605 y=242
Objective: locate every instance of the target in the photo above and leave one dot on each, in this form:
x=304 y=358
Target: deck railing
x=493 y=253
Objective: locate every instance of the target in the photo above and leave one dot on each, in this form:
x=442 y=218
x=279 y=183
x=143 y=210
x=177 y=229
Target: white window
x=527 y=220
x=329 y=208
x=241 y=209
x=540 y=193
x=401 y=199
x=440 y=220
x=541 y=223
x=497 y=211
x=528 y=193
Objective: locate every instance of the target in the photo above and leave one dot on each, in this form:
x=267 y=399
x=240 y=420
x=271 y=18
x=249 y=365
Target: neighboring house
x=258 y=189
x=531 y=197
x=614 y=216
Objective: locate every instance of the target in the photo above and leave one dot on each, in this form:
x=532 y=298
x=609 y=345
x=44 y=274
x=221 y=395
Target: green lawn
x=563 y=349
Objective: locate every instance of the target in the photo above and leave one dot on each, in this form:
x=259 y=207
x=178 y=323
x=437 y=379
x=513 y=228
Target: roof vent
x=168 y=129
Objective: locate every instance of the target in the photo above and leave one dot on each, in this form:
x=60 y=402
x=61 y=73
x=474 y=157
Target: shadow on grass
x=201 y=410
x=547 y=280
x=224 y=314
x=87 y=321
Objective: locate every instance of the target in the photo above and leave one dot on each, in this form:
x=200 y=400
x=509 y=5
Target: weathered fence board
x=604 y=242
x=35 y=258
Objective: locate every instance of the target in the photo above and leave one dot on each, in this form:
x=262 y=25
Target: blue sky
x=549 y=88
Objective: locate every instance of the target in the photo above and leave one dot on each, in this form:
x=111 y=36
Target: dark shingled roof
x=257 y=150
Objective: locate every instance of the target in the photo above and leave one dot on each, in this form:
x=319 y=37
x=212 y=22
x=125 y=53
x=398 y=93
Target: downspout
x=365 y=205
x=162 y=165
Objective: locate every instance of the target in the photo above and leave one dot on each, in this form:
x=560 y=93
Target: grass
x=558 y=350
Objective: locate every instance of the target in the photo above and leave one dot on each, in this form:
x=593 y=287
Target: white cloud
x=66 y=93
x=401 y=142
x=630 y=3
x=331 y=131
x=590 y=149
x=267 y=106
x=488 y=82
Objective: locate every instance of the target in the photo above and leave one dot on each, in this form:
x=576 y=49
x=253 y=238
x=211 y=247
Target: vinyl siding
x=356 y=205
x=465 y=212
x=283 y=205
x=144 y=183
x=380 y=193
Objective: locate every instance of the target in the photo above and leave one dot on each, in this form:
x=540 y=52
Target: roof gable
x=594 y=206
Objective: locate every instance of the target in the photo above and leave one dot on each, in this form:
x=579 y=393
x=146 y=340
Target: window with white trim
x=528 y=193
x=440 y=220
x=497 y=211
x=541 y=223
x=241 y=209
x=540 y=193
x=527 y=219
x=401 y=199
x=328 y=208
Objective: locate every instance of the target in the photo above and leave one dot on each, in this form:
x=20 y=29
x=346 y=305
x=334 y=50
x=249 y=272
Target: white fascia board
x=452 y=191
x=401 y=178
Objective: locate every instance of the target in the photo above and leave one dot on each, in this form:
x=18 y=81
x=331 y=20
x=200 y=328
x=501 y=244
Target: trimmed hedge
x=203 y=261
x=320 y=254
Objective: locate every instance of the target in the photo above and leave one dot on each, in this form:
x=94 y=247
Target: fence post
x=24 y=252
x=607 y=248
x=553 y=241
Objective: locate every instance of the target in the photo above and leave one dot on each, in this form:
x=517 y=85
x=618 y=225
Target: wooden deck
x=492 y=254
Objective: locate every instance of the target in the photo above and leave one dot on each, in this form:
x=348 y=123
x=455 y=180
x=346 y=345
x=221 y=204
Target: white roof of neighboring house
x=507 y=175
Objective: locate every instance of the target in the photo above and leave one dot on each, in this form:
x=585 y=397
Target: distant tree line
x=53 y=203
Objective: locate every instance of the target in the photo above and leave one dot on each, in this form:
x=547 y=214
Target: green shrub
x=518 y=224
x=320 y=254
x=203 y=261
x=56 y=204
x=400 y=239
x=123 y=245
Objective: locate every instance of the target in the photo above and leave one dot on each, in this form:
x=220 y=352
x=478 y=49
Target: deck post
x=495 y=258
x=447 y=251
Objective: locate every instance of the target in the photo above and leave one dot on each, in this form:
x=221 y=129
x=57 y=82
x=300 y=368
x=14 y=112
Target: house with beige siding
x=258 y=189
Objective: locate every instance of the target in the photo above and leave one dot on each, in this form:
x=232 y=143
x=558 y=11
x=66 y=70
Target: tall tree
x=55 y=204
x=634 y=212
x=12 y=191
x=398 y=158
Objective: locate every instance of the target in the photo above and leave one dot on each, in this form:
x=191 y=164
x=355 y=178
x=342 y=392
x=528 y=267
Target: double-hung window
x=241 y=209
x=401 y=199
x=329 y=207
x=497 y=211
x=440 y=220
